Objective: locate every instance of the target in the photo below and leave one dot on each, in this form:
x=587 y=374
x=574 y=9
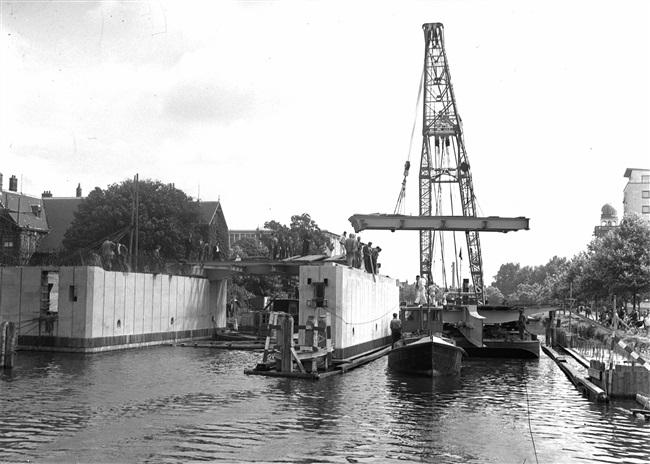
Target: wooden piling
x=7 y=344
x=3 y=342
x=325 y=327
x=285 y=342
x=311 y=341
x=270 y=333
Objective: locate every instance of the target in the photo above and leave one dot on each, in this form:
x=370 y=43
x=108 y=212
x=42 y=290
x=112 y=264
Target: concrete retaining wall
x=102 y=310
x=361 y=307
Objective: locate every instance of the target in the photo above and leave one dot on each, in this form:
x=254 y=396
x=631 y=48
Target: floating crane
x=445 y=176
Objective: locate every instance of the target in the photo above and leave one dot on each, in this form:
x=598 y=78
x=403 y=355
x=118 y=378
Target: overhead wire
x=382 y=316
x=116 y=236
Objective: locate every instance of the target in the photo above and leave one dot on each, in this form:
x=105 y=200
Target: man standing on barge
x=396 y=328
x=420 y=290
x=521 y=324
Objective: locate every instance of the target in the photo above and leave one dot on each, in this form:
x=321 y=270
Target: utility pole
x=137 y=219
x=570 y=300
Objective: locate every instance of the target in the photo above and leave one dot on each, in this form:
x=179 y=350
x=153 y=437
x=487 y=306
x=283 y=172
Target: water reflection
x=173 y=404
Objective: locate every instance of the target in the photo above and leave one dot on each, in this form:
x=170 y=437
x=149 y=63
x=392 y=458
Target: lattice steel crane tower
x=444 y=163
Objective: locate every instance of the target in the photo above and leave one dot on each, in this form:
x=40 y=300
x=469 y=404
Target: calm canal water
x=179 y=404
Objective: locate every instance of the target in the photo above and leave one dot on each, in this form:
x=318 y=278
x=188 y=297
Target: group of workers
x=358 y=253
x=426 y=292
x=114 y=254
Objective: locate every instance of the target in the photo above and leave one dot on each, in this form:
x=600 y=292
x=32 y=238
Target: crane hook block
x=407 y=166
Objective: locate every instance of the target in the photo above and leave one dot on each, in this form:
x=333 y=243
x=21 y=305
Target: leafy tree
x=510 y=275
x=568 y=281
x=301 y=237
x=538 y=284
x=245 y=287
x=302 y=230
x=615 y=264
x=166 y=217
x=248 y=247
x=493 y=295
x=620 y=260
x=407 y=292
x=308 y=234
x=528 y=294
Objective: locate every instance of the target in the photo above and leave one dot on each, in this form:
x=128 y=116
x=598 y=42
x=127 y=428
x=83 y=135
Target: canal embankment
x=604 y=362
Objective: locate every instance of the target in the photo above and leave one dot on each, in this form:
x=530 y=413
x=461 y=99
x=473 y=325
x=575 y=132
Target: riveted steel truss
x=444 y=160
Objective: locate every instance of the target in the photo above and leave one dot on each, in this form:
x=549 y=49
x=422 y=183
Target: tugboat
x=423 y=350
x=427 y=355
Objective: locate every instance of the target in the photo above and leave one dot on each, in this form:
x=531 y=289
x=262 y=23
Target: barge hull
x=425 y=357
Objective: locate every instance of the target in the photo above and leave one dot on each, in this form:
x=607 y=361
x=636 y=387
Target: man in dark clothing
x=108 y=251
x=374 y=257
x=396 y=328
x=350 y=249
x=122 y=251
x=367 y=257
x=521 y=324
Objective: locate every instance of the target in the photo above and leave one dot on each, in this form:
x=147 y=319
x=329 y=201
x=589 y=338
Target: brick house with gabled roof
x=60 y=214
x=214 y=229
x=23 y=224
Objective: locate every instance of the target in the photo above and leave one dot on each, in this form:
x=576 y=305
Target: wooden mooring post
x=285 y=343
x=7 y=344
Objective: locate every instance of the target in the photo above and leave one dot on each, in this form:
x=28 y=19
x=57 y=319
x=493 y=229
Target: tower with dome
x=608 y=220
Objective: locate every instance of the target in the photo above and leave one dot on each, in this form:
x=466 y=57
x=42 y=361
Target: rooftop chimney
x=79 y=191
x=46 y=194
x=13 y=184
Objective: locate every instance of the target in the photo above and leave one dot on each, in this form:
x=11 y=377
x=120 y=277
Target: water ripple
x=174 y=405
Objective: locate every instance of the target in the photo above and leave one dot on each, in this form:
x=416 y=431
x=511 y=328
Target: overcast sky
x=283 y=108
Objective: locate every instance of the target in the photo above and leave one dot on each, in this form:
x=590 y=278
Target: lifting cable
x=402 y=194
x=337 y=316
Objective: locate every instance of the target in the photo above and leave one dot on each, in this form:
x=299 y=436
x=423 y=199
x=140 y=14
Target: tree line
x=169 y=218
x=616 y=264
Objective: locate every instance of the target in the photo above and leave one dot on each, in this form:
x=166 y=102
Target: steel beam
x=395 y=222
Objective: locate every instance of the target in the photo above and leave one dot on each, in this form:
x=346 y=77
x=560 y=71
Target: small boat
x=427 y=355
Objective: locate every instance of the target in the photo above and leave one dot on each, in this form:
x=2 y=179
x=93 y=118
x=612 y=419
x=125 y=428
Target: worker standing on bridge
x=358 y=258
x=374 y=258
x=350 y=249
x=108 y=251
x=367 y=257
